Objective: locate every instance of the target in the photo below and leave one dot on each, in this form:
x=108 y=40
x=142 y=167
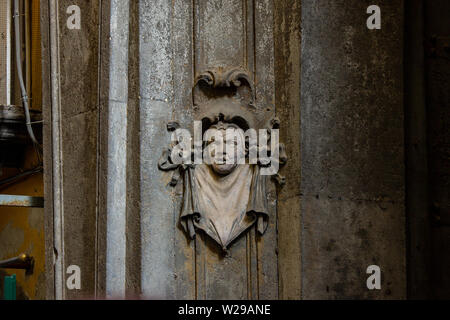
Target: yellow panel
x=22 y=231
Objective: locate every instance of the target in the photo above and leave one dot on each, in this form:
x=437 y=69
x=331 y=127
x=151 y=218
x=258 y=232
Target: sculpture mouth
x=223 y=169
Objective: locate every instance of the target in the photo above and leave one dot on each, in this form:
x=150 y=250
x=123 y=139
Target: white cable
x=19 y=72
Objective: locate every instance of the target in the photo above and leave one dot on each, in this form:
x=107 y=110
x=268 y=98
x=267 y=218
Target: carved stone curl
x=223 y=200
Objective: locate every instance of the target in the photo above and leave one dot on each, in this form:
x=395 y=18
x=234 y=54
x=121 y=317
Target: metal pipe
x=23 y=261
x=7 y=200
x=19 y=72
x=20 y=175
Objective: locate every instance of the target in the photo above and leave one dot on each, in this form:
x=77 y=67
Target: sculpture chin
x=223 y=169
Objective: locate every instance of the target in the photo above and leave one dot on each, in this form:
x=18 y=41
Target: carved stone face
x=224 y=159
x=223 y=199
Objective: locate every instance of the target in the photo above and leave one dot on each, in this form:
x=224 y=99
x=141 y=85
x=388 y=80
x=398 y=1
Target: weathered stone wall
x=178 y=41
x=337 y=89
x=70 y=107
x=352 y=160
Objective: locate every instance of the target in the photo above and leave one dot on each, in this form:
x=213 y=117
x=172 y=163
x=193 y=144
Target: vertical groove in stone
x=417 y=208
x=56 y=154
x=287 y=39
x=102 y=148
x=265 y=93
x=133 y=221
x=249 y=59
x=48 y=152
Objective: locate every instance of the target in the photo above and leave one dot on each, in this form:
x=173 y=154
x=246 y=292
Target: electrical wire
x=25 y=99
x=20 y=175
x=19 y=72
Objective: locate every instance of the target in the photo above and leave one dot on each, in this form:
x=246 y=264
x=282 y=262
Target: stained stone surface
x=338 y=92
x=352 y=160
